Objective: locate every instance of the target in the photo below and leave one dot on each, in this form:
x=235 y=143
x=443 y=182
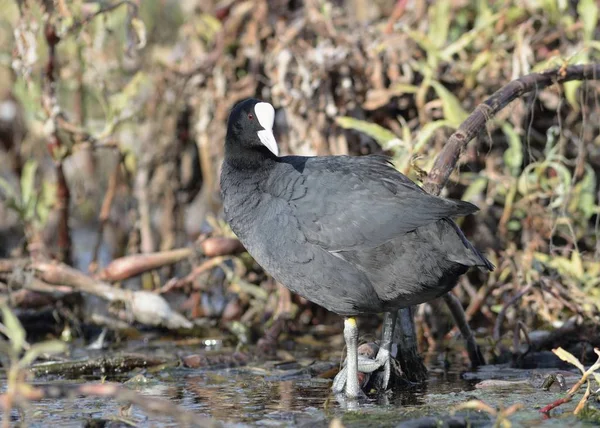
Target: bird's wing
x=349 y=203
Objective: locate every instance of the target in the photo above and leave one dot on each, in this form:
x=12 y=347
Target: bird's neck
x=255 y=158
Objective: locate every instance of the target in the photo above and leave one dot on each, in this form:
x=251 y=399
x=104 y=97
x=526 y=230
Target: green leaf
x=548 y=64
x=551 y=147
x=403 y=88
x=563 y=188
x=208 y=27
x=423 y=41
x=140 y=31
x=125 y=99
x=5 y=347
x=9 y=191
x=513 y=156
x=382 y=135
x=406 y=133
x=587 y=196
x=563 y=265
x=496 y=308
x=14 y=329
x=45 y=202
x=484 y=11
x=594 y=44
x=28 y=197
x=475 y=188
x=453 y=111
x=130 y=162
x=514 y=13
x=427 y=132
x=514 y=225
x=480 y=61
x=577 y=264
x=588 y=12
x=439 y=22
x=551 y=10
x=467 y=38
x=28 y=91
x=50 y=347
x=571 y=93
x=569 y=358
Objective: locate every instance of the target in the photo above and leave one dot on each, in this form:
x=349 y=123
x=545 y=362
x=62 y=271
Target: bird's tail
x=484 y=263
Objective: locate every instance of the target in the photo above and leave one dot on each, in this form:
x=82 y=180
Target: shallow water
x=282 y=395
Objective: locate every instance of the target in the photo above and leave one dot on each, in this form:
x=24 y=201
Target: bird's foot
x=367 y=366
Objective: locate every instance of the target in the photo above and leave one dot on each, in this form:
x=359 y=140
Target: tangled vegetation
x=112 y=122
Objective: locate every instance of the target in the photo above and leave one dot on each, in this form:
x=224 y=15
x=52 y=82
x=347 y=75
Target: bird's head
x=250 y=126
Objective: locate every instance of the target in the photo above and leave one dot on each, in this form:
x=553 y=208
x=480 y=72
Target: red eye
x=250 y=116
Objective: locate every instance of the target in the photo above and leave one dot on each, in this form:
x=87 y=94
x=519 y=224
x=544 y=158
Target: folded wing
x=353 y=203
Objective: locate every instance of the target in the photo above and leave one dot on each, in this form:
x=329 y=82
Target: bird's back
x=350 y=234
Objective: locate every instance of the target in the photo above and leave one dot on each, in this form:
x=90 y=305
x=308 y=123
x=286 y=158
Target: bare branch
x=446 y=161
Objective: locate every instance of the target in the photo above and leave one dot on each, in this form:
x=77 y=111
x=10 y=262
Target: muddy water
x=284 y=395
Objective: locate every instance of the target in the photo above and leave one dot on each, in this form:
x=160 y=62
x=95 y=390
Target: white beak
x=265 y=113
x=268 y=139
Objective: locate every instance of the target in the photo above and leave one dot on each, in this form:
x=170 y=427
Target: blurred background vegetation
x=112 y=124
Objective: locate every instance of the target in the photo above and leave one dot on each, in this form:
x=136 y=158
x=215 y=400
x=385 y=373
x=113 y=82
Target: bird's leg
x=348 y=376
x=368 y=365
x=385 y=347
x=351 y=336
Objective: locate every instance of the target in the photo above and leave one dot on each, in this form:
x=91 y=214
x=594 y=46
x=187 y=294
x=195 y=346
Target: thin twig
x=105 y=214
x=79 y=24
x=397 y=13
x=507 y=305
x=475 y=354
x=191 y=277
x=55 y=145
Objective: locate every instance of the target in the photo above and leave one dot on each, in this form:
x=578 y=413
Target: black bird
x=351 y=234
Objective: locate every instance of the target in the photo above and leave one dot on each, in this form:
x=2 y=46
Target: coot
x=351 y=234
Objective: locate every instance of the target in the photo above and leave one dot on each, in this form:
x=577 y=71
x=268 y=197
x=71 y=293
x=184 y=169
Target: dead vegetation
x=112 y=121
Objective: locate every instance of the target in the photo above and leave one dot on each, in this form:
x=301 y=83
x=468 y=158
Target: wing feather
x=348 y=203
